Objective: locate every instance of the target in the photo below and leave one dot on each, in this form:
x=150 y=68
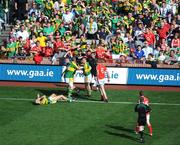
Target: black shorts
x=141 y=122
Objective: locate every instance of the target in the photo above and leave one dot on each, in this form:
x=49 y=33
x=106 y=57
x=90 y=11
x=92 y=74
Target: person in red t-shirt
x=100 y=52
x=101 y=72
x=36 y=49
x=58 y=44
x=48 y=51
x=162 y=32
x=146 y=102
x=38 y=58
x=150 y=37
x=175 y=42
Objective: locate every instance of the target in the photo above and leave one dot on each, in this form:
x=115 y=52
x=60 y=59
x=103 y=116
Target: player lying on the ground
x=44 y=100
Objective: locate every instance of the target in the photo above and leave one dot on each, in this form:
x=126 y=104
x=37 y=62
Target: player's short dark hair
x=141 y=93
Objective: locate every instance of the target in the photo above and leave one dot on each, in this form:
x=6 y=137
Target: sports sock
x=137 y=129
x=150 y=129
x=141 y=134
x=70 y=93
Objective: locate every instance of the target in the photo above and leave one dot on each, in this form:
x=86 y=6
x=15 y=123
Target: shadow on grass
x=121 y=128
x=121 y=133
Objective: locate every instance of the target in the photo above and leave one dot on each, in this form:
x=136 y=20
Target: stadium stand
x=131 y=33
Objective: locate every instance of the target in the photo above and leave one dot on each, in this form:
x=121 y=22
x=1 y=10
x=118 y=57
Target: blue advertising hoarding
x=162 y=77
x=130 y=76
x=35 y=73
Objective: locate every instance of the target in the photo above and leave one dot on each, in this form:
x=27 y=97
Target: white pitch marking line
x=86 y=101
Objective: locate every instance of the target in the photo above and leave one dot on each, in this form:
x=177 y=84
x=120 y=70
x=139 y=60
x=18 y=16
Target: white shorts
x=88 y=79
x=70 y=82
x=101 y=82
x=52 y=100
x=141 y=128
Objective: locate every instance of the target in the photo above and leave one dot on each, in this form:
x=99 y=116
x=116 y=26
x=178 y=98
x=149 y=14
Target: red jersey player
x=146 y=102
x=101 y=71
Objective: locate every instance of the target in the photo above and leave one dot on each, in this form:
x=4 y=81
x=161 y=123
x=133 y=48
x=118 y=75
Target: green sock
x=70 y=93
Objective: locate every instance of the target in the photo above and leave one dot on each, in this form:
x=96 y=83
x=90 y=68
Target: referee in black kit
x=142 y=109
x=91 y=58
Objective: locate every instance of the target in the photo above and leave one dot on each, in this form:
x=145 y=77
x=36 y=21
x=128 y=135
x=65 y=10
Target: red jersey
x=100 y=53
x=163 y=32
x=38 y=59
x=150 y=38
x=58 y=44
x=37 y=49
x=48 y=51
x=101 y=69
x=175 y=43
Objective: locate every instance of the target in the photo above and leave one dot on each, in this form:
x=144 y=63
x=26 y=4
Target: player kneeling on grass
x=87 y=74
x=142 y=109
x=52 y=99
x=101 y=72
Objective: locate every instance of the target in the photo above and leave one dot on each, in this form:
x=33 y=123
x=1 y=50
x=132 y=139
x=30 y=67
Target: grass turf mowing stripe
x=83 y=101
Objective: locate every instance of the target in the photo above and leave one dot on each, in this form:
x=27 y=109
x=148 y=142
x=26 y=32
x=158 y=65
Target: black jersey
x=142 y=109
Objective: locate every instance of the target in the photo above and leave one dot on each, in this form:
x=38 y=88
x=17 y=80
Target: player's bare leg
x=88 y=88
x=103 y=93
x=149 y=124
x=61 y=97
x=137 y=129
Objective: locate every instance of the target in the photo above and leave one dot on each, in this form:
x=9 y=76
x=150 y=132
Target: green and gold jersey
x=71 y=70
x=87 y=69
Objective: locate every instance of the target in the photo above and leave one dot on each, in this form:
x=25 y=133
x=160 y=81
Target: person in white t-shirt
x=22 y=33
x=147 y=49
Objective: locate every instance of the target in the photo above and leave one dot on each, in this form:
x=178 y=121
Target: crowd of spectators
x=120 y=31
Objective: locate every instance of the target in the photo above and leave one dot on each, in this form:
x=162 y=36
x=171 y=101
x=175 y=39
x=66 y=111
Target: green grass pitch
x=22 y=123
